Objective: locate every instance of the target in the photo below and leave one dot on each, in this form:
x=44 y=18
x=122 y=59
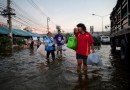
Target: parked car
x=105 y=39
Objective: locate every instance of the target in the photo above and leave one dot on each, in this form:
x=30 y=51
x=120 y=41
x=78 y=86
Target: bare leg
x=57 y=52
x=61 y=52
x=85 y=65
x=79 y=62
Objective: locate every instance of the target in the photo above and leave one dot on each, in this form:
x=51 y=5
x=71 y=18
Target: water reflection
x=120 y=74
x=31 y=51
x=82 y=83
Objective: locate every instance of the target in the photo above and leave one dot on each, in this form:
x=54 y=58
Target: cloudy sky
x=68 y=13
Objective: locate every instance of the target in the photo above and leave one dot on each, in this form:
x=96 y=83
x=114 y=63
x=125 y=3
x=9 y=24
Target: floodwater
x=26 y=70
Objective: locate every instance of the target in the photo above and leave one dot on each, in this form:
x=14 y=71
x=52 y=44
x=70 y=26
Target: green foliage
x=5 y=44
x=20 y=41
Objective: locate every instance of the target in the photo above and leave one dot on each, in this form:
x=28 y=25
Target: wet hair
x=82 y=26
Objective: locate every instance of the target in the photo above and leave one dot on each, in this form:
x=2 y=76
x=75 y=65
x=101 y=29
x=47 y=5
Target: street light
x=102 y=19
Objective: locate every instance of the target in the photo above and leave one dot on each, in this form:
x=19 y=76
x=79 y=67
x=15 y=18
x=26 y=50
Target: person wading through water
x=85 y=41
x=59 y=41
x=49 y=46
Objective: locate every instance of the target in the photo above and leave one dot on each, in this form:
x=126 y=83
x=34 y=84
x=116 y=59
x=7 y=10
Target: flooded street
x=25 y=70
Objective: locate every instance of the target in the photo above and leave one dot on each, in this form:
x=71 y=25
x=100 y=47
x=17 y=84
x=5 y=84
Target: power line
x=26 y=24
x=37 y=8
x=47 y=15
x=29 y=20
x=23 y=16
x=20 y=9
x=3 y=2
x=22 y=20
x=2 y=6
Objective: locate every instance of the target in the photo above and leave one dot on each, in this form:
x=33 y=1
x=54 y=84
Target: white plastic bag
x=46 y=43
x=62 y=41
x=41 y=50
x=64 y=47
x=94 y=59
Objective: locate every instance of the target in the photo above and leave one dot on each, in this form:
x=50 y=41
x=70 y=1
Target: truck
x=120 y=28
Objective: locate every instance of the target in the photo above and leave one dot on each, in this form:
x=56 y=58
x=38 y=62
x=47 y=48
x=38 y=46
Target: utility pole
x=8 y=12
x=48 y=19
x=9 y=21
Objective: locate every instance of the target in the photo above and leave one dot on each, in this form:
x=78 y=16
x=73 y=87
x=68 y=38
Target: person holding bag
x=49 y=46
x=59 y=41
x=85 y=41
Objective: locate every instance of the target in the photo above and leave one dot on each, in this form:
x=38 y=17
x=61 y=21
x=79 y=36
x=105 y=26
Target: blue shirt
x=50 y=42
x=58 y=39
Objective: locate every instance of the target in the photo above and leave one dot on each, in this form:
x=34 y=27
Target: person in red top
x=85 y=41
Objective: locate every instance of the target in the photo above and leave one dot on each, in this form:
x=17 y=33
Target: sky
x=68 y=13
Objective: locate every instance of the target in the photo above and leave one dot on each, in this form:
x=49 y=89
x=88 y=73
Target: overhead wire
x=26 y=19
x=26 y=24
x=37 y=8
x=25 y=16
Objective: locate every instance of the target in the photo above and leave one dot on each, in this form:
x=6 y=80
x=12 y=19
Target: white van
x=105 y=39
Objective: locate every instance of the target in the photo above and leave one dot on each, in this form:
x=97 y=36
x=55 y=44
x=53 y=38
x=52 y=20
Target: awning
x=4 y=30
x=18 y=32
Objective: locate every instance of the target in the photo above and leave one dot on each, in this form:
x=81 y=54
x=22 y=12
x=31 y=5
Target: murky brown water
x=25 y=70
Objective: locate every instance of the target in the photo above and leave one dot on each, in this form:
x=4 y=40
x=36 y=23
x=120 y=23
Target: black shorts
x=78 y=56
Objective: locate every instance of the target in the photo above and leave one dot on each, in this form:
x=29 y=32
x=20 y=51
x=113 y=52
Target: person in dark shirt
x=59 y=39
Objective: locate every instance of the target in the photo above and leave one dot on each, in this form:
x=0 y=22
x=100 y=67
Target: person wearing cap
x=59 y=41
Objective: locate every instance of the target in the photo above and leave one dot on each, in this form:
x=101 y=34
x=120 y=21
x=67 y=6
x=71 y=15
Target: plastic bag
x=94 y=59
x=41 y=50
x=46 y=43
x=63 y=41
x=64 y=47
x=72 y=43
